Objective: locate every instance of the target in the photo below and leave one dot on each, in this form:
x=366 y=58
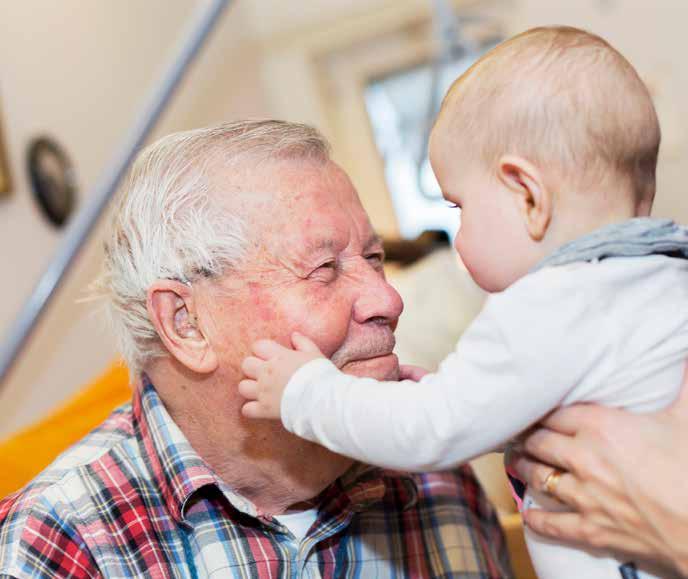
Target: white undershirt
x=298 y=522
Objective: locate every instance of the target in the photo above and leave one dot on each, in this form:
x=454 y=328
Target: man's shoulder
x=459 y=482
x=452 y=505
x=38 y=539
x=50 y=507
x=458 y=486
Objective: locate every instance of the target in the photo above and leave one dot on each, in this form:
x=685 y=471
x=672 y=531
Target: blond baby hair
x=563 y=98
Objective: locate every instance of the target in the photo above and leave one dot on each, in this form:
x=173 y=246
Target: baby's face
x=492 y=241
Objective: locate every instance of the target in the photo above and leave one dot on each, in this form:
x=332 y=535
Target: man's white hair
x=169 y=223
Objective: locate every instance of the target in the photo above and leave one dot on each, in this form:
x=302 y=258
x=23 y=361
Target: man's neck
x=583 y=219
x=258 y=460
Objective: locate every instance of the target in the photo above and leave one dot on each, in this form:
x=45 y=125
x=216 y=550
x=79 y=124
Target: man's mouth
x=373 y=356
x=380 y=367
x=376 y=344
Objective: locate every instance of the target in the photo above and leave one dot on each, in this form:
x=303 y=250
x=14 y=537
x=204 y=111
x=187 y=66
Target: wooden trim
x=5 y=180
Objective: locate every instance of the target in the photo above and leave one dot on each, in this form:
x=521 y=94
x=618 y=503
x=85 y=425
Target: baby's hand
x=410 y=372
x=269 y=371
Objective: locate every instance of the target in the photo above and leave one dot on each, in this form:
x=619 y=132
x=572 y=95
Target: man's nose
x=377 y=299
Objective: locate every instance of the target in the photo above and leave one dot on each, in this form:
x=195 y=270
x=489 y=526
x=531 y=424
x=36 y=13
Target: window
x=401 y=107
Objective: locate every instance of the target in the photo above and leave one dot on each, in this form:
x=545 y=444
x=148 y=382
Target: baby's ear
x=532 y=196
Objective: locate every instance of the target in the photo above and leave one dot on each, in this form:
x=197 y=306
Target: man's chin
x=380 y=368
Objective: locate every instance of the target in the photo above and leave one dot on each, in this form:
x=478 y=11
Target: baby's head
x=549 y=136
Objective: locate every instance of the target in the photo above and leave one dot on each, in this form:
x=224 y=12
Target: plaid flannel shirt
x=133 y=499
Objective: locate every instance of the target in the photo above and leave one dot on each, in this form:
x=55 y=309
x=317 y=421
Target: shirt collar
x=176 y=467
x=180 y=472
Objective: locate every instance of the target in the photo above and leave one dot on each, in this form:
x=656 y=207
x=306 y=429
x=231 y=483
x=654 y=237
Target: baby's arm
x=516 y=362
x=475 y=401
x=269 y=371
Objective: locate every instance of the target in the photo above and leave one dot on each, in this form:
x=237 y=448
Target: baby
x=548 y=144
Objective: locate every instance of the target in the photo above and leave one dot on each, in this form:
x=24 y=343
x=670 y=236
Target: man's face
x=314 y=267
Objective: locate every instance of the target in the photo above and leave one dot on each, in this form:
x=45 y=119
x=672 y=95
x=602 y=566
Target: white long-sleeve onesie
x=613 y=332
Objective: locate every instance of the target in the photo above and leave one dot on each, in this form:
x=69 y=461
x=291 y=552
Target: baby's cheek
x=464 y=249
x=458 y=242
x=475 y=257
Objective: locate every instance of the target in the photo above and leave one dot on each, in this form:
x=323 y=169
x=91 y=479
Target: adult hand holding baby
x=624 y=477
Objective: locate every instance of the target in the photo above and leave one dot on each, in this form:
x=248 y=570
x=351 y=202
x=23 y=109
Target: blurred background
x=368 y=73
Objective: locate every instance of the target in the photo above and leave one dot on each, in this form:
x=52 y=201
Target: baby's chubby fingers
x=267 y=349
x=410 y=372
x=251 y=366
x=248 y=389
x=304 y=344
x=255 y=409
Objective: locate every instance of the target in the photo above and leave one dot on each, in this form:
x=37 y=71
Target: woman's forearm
x=625 y=476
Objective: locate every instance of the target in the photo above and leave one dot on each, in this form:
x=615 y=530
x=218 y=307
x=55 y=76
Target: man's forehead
x=330 y=242
x=290 y=183
x=306 y=208
x=328 y=232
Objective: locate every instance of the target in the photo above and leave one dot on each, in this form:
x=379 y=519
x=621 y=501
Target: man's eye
x=325 y=271
x=375 y=259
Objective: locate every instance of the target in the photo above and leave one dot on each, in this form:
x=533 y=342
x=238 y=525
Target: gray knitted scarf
x=632 y=238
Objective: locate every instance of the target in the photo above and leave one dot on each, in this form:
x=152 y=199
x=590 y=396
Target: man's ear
x=172 y=310
x=533 y=197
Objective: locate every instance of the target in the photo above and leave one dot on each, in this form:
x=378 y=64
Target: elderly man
x=224 y=235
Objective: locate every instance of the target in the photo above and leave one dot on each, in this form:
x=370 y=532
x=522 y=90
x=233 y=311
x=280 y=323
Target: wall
x=79 y=71
x=652 y=36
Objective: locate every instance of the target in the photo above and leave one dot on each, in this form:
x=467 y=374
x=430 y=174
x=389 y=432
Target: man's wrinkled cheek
x=325 y=319
x=262 y=307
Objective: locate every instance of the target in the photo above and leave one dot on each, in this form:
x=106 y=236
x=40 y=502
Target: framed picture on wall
x=5 y=183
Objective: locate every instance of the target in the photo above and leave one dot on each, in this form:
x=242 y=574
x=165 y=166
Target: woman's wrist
x=669 y=548
x=680 y=562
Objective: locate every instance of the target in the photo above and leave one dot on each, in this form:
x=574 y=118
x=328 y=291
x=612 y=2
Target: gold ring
x=551 y=482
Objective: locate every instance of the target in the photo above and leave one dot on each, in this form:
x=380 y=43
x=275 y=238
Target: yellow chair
x=28 y=452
